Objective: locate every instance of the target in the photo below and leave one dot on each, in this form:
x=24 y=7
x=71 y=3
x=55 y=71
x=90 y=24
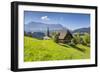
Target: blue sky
x=69 y=20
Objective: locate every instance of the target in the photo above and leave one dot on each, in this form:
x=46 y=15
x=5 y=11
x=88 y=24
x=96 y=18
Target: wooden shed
x=65 y=36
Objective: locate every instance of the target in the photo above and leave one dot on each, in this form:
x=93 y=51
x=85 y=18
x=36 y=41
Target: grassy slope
x=42 y=50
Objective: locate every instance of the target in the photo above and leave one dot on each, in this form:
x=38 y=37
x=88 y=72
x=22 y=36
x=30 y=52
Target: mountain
x=42 y=27
x=82 y=30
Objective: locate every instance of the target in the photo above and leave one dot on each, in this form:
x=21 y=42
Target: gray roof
x=62 y=34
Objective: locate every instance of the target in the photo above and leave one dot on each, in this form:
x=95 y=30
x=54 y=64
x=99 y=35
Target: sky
x=71 y=21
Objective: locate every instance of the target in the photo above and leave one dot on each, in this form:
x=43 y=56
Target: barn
x=65 y=36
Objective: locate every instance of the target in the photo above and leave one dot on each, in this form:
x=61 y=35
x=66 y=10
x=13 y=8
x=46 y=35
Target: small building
x=65 y=36
x=46 y=38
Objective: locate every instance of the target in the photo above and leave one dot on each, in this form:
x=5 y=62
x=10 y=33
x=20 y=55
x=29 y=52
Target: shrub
x=76 y=39
x=86 y=39
x=56 y=37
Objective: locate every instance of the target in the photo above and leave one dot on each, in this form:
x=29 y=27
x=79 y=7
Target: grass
x=44 y=50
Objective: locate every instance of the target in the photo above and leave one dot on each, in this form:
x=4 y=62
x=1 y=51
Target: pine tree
x=48 y=32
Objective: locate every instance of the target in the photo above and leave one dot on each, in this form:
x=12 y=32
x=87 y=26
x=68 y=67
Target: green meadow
x=45 y=50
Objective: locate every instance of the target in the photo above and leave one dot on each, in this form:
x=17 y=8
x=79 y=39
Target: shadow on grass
x=73 y=46
x=64 y=45
x=80 y=49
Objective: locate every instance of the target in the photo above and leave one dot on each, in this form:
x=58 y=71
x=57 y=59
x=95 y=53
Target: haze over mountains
x=82 y=30
x=42 y=27
x=37 y=26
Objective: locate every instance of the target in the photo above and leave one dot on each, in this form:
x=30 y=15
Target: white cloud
x=45 y=18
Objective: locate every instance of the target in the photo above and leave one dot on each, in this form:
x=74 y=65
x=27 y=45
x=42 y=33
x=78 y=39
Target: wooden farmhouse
x=65 y=37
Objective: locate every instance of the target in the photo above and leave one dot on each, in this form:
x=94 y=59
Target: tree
x=48 y=34
x=76 y=39
x=73 y=41
x=86 y=39
x=25 y=33
x=56 y=37
x=53 y=34
x=29 y=34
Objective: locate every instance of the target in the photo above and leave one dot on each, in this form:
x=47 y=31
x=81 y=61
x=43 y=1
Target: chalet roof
x=63 y=34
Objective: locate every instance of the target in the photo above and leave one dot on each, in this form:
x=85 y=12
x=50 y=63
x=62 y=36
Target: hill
x=82 y=30
x=45 y=50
